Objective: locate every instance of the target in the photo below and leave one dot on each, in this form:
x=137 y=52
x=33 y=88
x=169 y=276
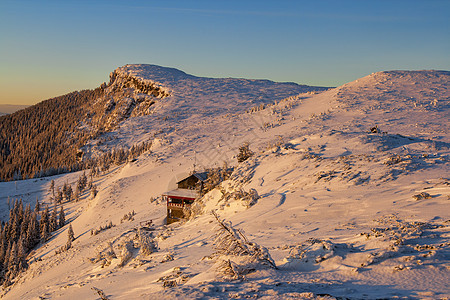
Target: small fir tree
x=44 y=233
x=62 y=217
x=37 y=207
x=70 y=234
x=244 y=152
x=53 y=222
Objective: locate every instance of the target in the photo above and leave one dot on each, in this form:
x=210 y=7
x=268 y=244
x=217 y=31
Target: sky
x=50 y=48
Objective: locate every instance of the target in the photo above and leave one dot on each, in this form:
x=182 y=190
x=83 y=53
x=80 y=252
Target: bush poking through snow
x=392 y=160
x=102 y=228
x=126 y=254
x=100 y=293
x=236 y=254
x=248 y=199
x=421 y=196
x=229 y=270
x=244 y=153
x=146 y=242
x=195 y=209
x=167 y=257
x=128 y=217
x=105 y=256
x=94 y=191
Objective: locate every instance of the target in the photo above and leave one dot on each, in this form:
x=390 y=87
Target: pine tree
x=15 y=228
x=7 y=254
x=94 y=191
x=62 y=218
x=70 y=238
x=44 y=220
x=33 y=233
x=37 y=207
x=68 y=192
x=21 y=256
x=44 y=233
x=13 y=261
x=82 y=180
x=3 y=249
x=76 y=194
x=70 y=234
x=52 y=187
x=53 y=222
x=59 y=196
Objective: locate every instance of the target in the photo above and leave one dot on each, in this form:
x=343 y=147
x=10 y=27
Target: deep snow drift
x=338 y=174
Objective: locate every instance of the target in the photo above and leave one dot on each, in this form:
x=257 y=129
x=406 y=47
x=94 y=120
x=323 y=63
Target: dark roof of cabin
x=200 y=176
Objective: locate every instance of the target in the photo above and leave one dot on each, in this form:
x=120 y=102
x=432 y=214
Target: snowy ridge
x=347 y=194
x=174 y=100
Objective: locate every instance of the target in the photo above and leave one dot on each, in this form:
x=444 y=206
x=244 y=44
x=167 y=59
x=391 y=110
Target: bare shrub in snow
x=100 y=293
x=128 y=217
x=392 y=160
x=248 y=199
x=127 y=253
x=236 y=254
x=314 y=251
x=101 y=228
x=229 y=270
x=169 y=283
x=195 y=209
x=146 y=243
x=423 y=195
x=105 y=256
x=94 y=191
x=167 y=257
x=244 y=153
x=215 y=177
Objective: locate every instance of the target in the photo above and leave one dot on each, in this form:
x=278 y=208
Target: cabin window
x=172 y=200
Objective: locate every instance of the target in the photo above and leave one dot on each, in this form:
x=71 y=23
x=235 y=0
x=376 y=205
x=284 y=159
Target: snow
x=336 y=208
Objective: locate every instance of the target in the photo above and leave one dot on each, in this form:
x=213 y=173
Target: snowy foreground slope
x=338 y=211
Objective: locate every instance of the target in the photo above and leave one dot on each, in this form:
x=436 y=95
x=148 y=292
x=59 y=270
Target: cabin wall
x=189 y=183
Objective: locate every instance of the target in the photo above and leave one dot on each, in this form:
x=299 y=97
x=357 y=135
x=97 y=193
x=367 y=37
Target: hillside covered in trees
x=48 y=138
x=43 y=139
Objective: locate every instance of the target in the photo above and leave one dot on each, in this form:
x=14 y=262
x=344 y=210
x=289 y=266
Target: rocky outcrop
x=125 y=96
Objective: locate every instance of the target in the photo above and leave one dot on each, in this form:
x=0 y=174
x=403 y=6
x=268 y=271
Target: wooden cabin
x=183 y=196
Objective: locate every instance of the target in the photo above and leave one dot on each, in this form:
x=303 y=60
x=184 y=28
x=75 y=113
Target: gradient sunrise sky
x=49 y=48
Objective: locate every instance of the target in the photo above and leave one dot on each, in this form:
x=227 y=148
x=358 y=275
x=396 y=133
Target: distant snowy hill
x=346 y=194
x=6 y=109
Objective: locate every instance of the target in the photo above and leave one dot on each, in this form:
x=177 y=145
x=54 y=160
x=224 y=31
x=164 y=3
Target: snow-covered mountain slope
x=167 y=100
x=353 y=187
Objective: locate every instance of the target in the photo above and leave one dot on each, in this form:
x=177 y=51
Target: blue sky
x=49 y=48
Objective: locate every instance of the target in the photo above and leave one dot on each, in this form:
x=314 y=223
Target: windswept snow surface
x=194 y=102
x=336 y=209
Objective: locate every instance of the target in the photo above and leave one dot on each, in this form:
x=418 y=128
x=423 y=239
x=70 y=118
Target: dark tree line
x=25 y=229
x=43 y=139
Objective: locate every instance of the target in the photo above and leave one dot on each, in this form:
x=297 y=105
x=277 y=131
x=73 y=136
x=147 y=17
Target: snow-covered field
x=336 y=211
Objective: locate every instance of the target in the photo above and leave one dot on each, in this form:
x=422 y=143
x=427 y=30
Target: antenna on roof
x=195 y=160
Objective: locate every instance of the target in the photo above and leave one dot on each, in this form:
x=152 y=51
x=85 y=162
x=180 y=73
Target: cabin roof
x=182 y=193
x=200 y=176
